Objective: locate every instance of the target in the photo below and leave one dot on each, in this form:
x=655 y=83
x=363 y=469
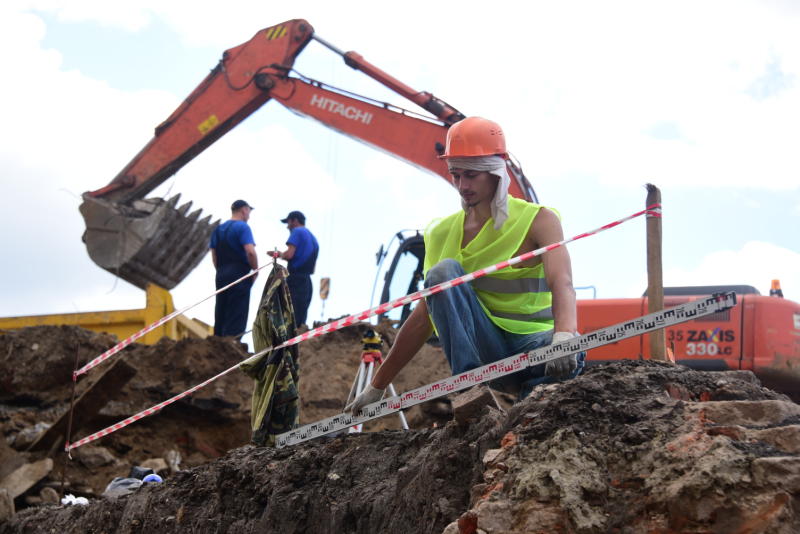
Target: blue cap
x=152 y=478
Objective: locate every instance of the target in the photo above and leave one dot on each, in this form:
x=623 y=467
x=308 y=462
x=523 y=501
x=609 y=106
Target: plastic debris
x=71 y=499
x=121 y=486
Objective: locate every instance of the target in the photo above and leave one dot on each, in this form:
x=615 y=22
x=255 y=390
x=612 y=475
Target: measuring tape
x=512 y=364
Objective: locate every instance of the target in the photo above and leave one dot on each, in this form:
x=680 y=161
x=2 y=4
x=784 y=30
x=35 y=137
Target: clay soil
x=631 y=447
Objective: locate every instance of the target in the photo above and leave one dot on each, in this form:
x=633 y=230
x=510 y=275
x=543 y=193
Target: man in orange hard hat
x=508 y=312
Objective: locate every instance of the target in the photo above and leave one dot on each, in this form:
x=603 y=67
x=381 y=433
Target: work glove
x=368 y=396
x=564 y=366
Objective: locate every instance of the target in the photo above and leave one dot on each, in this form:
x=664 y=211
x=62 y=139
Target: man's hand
x=274 y=254
x=564 y=366
x=369 y=395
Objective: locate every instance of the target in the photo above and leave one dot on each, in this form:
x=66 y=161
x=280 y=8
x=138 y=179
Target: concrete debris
x=25 y=477
x=471 y=404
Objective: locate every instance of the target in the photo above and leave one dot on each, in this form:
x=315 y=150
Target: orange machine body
x=760 y=334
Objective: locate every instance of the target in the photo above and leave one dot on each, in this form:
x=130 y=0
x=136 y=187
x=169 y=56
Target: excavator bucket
x=146 y=241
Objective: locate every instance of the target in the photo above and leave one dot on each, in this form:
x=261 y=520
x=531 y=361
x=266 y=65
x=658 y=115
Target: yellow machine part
x=123 y=323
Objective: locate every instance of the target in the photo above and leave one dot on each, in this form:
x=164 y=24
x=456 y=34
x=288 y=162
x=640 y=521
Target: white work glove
x=564 y=366
x=368 y=396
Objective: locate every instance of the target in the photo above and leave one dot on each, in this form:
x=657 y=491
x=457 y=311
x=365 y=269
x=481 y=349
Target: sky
x=596 y=99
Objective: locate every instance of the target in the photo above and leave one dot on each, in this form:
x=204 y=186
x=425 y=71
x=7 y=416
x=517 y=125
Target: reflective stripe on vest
x=519 y=285
x=542 y=315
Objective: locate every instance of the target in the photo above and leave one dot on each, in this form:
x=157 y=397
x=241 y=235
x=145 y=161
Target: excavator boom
x=151 y=240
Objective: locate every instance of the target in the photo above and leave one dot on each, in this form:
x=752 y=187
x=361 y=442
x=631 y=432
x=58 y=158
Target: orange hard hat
x=474 y=136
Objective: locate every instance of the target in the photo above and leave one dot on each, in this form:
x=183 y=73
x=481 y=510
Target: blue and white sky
x=596 y=99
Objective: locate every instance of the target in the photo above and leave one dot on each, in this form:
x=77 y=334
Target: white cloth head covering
x=495 y=165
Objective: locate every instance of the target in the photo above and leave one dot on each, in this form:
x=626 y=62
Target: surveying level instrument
x=370 y=355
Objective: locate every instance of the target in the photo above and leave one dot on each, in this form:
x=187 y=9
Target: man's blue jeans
x=470 y=339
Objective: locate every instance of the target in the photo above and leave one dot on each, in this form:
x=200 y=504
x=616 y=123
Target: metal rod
x=326 y=44
x=360 y=382
x=69 y=421
x=403 y=421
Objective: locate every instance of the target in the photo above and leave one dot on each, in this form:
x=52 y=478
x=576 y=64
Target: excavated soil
x=36 y=366
x=630 y=447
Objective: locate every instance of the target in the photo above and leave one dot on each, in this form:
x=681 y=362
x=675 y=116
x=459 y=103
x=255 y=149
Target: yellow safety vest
x=515 y=299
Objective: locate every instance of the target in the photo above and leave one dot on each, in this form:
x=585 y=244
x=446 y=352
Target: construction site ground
x=630 y=447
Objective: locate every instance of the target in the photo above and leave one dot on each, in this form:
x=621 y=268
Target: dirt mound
x=36 y=367
x=628 y=447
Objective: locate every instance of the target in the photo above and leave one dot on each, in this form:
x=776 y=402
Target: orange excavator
x=152 y=240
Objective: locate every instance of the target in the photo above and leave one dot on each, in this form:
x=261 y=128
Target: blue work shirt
x=306 y=250
x=229 y=239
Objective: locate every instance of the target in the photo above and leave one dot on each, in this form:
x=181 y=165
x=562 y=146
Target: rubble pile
x=629 y=447
x=36 y=366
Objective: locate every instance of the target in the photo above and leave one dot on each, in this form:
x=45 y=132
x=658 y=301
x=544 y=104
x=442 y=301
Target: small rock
x=491 y=456
x=93 y=457
x=173 y=458
x=6 y=505
x=490 y=476
x=28 y=435
x=780 y=471
x=472 y=403
x=49 y=495
x=158 y=465
x=509 y=440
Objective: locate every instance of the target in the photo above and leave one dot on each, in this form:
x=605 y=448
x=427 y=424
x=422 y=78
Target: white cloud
x=756 y=263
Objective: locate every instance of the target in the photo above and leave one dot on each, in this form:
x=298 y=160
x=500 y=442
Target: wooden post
x=655 y=279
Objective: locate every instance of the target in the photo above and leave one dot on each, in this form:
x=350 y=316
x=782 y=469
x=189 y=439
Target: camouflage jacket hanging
x=276 y=395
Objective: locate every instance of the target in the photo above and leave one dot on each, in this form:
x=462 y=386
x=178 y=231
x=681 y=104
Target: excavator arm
x=152 y=240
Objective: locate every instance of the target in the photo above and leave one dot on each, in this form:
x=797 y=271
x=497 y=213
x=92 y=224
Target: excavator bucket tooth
x=149 y=240
x=174 y=200
x=195 y=215
x=183 y=210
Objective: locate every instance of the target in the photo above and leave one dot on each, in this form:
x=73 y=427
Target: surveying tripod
x=370 y=355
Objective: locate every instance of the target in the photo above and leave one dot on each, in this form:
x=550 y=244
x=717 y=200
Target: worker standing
x=233 y=253
x=301 y=253
x=505 y=313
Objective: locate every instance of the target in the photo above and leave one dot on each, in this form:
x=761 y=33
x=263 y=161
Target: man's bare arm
x=252 y=258
x=411 y=337
x=545 y=230
x=287 y=254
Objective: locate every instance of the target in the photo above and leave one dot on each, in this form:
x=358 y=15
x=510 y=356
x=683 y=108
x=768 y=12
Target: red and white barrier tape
x=512 y=364
x=653 y=210
x=144 y=413
x=133 y=337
